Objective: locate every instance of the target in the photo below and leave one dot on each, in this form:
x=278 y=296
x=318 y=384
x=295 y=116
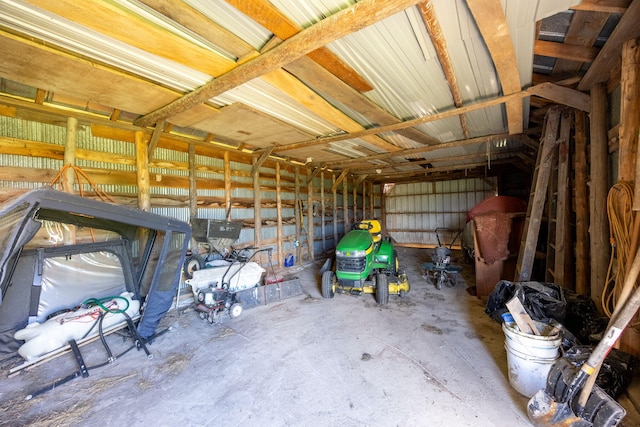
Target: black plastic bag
x=583 y=318
x=616 y=372
x=543 y=301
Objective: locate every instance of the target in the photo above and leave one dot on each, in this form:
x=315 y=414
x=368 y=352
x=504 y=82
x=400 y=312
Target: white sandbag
x=55 y=333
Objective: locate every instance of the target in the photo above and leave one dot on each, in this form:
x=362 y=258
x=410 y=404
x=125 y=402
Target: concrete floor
x=431 y=359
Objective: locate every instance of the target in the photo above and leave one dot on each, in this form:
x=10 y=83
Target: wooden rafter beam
x=526 y=140
x=562 y=95
x=339 y=180
x=112 y=20
x=195 y=21
x=443 y=169
x=568 y=51
x=420 y=150
x=547 y=90
x=106 y=128
x=437 y=37
x=267 y=15
x=610 y=54
x=583 y=31
x=409 y=123
x=492 y=24
x=322 y=81
x=545 y=78
x=527 y=159
x=606 y=6
x=316 y=170
x=155 y=137
x=263 y=157
x=347 y=21
x=371 y=167
x=299 y=91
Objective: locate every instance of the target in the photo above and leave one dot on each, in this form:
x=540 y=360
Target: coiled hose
x=621 y=220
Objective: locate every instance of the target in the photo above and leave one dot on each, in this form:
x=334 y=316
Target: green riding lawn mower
x=365 y=263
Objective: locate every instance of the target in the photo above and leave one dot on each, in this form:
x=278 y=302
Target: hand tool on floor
x=557 y=405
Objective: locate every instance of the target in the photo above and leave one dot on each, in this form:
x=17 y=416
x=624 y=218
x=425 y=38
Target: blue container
x=288 y=260
x=507 y=318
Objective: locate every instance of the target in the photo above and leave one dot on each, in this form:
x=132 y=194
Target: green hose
x=99 y=302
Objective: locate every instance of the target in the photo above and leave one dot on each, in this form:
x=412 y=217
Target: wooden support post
x=598 y=189
x=364 y=201
x=227 y=185
x=69 y=179
x=582 y=205
x=629 y=115
x=298 y=214
x=279 y=213
x=372 y=200
x=628 y=132
x=257 y=208
x=142 y=173
x=310 y=224
x=383 y=209
x=355 y=202
x=322 y=213
x=630 y=123
x=193 y=191
x=345 y=204
x=335 y=210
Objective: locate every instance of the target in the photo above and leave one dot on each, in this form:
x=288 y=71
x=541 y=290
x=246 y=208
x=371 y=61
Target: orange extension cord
x=60 y=182
x=621 y=220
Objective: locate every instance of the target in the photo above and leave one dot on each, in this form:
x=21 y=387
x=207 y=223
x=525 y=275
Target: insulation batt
x=55 y=333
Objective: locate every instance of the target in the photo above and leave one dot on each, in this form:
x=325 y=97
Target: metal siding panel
x=230 y=18
x=178 y=213
x=213 y=213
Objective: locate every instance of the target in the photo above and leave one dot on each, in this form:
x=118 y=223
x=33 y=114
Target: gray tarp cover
x=157 y=270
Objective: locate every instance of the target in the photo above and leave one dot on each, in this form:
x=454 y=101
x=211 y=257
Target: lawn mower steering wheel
x=364 y=226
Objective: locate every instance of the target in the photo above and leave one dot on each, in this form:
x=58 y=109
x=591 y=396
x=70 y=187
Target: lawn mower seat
x=374 y=228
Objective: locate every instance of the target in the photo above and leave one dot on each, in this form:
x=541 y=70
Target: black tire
x=382 y=289
x=235 y=310
x=328 y=278
x=402 y=293
x=191 y=264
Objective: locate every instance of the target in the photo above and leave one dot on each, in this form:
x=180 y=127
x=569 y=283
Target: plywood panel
x=198 y=114
x=241 y=123
x=47 y=69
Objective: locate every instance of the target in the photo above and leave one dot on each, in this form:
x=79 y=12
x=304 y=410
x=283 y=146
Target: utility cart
x=213 y=239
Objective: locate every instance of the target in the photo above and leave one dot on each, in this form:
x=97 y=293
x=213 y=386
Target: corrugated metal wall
x=416 y=212
x=412 y=212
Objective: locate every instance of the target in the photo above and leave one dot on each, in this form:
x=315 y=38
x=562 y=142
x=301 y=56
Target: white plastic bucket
x=529 y=357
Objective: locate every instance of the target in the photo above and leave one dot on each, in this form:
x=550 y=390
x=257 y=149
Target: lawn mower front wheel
x=382 y=289
x=328 y=284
